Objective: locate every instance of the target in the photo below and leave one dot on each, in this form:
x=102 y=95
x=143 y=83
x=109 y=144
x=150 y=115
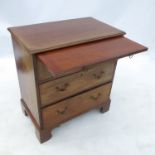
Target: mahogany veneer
x=66 y=68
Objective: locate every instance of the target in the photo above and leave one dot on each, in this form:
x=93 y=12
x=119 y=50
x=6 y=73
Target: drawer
x=67 y=109
x=58 y=89
x=44 y=75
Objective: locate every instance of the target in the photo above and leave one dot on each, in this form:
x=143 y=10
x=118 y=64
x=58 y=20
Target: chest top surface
x=53 y=35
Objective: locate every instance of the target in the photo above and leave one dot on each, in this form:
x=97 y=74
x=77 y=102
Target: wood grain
x=52 y=35
x=42 y=73
x=59 y=81
x=67 y=109
x=76 y=57
x=26 y=77
x=61 y=88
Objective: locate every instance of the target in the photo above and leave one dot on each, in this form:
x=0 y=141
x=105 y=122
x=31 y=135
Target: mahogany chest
x=67 y=68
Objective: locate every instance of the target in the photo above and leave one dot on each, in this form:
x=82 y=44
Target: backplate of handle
x=62 y=87
x=95 y=97
x=98 y=75
x=62 y=111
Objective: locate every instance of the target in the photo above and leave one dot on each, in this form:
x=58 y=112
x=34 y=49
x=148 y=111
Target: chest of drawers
x=67 y=68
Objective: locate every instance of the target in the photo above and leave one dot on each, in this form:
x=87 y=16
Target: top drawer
x=75 y=58
x=58 y=89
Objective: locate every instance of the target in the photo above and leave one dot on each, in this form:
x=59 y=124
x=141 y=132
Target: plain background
x=129 y=127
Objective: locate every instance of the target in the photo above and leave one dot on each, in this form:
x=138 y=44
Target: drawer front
x=66 y=109
x=56 y=90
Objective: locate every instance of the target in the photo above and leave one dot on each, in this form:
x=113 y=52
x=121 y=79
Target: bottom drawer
x=64 y=110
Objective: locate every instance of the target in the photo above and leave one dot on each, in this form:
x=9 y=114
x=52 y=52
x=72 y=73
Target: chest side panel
x=26 y=77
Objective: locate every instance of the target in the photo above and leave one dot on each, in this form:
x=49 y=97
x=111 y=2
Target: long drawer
x=67 y=109
x=56 y=90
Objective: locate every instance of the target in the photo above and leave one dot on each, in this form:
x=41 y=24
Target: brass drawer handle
x=62 y=111
x=98 y=75
x=62 y=87
x=96 y=97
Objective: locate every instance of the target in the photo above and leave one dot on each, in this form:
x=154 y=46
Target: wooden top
x=53 y=35
x=74 y=58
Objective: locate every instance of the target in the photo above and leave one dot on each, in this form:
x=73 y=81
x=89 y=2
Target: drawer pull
x=96 y=97
x=62 y=87
x=62 y=111
x=98 y=75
